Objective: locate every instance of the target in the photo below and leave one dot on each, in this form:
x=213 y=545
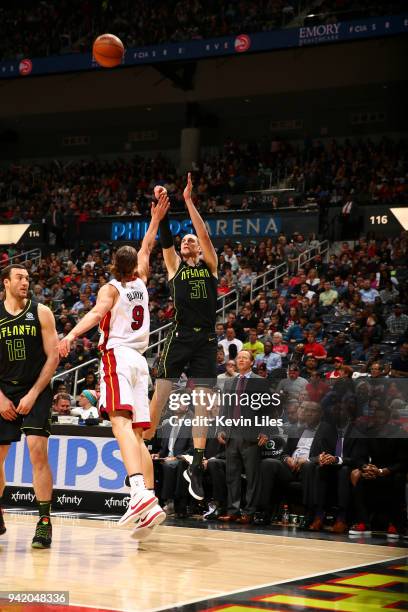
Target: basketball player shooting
x=122 y=310
x=191 y=342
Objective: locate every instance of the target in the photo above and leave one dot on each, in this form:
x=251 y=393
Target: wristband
x=166 y=237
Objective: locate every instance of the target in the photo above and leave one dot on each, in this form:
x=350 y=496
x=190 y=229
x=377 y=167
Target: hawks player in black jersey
x=28 y=359
x=191 y=341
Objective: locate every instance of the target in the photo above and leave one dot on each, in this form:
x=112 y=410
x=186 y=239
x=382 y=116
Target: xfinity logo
x=319 y=33
x=113 y=502
x=66 y=499
x=18 y=496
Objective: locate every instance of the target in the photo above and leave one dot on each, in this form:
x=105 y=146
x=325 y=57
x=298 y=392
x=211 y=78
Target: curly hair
x=124 y=263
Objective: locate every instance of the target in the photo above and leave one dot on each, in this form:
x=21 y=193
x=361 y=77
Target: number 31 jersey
x=128 y=323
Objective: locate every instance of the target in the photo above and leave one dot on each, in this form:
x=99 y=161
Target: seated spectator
x=350 y=453
x=339 y=348
x=254 y=345
x=299 y=460
x=389 y=295
x=278 y=346
x=311 y=347
x=382 y=478
x=220 y=332
x=61 y=404
x=291 y=423
x=316 y=388
x=297 y=331
x=88 y=401
x=310 y=365
x=271 y=360
x=397 y=323
x=328 y=297
x=399 y=365
x=292 y=386
x=221 y=363
x=337 y=372
x=247 y=319
x=230 y=372
x=368 y=293
x=229 y=340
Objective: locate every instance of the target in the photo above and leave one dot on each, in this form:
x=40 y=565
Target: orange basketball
x=108 y=50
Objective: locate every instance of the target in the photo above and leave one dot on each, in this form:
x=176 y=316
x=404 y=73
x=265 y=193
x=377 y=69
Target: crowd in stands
x=65 y=195
x=330 y=337
x=332 y=11
x=34 y=29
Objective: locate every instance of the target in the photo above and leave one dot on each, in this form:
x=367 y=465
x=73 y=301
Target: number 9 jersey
x=128 y=323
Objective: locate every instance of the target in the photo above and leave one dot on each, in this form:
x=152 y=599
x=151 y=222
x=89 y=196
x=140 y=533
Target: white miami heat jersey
x=128 y=323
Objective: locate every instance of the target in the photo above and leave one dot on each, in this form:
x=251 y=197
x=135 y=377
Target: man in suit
x=299 y=459
x=380 y=482
x=335 y=469
x=176 y=440
x=243 y=443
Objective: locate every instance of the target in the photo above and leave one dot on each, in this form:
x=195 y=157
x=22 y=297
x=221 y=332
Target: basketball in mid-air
x=108 y=50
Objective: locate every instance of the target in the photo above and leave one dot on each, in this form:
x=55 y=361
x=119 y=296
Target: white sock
x=136 y=483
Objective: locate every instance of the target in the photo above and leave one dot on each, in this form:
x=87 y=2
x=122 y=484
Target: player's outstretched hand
x=7 y=409
x=160 y=209
x=64 y=346
x=189 y=188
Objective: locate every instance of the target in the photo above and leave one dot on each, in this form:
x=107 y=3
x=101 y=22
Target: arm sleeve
x=166 y=237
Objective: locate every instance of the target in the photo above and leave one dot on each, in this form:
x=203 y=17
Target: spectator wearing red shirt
x=336 y=373
x=316 y=388
x=314 y=348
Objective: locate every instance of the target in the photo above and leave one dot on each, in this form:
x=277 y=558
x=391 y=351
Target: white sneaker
x=147 y=523
x=139 y=503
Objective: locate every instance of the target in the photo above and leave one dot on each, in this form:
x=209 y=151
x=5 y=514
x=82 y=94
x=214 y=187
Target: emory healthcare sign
x=243 y=43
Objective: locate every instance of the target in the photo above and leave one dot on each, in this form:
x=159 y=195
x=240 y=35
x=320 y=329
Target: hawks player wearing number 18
x=122 y=310
x=28 y=359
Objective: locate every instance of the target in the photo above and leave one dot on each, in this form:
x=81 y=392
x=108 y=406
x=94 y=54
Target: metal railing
x=77 y=381
x=33 y=255
x=321 y=249
x=260 y=282
x=228 y=301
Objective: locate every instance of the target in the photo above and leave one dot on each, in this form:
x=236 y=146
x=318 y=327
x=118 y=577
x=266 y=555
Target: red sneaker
x=392 y=532
x=360 y=529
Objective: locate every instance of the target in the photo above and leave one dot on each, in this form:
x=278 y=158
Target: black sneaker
x=43 y=533
x=194 y=476
x=2 y=525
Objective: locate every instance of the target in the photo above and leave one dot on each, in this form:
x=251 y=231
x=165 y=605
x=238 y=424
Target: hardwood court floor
x=101 y=566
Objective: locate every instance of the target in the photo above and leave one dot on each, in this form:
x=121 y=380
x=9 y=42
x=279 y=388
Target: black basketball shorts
x=193 y=350
x=37 y=422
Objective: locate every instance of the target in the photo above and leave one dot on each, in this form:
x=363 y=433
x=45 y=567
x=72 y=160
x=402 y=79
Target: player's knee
x=3 y=452
x=38 y=452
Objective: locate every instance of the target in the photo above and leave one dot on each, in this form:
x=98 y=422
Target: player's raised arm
x=209 y=253
x=171 y=259
x=104 y=302
x=159 y=211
